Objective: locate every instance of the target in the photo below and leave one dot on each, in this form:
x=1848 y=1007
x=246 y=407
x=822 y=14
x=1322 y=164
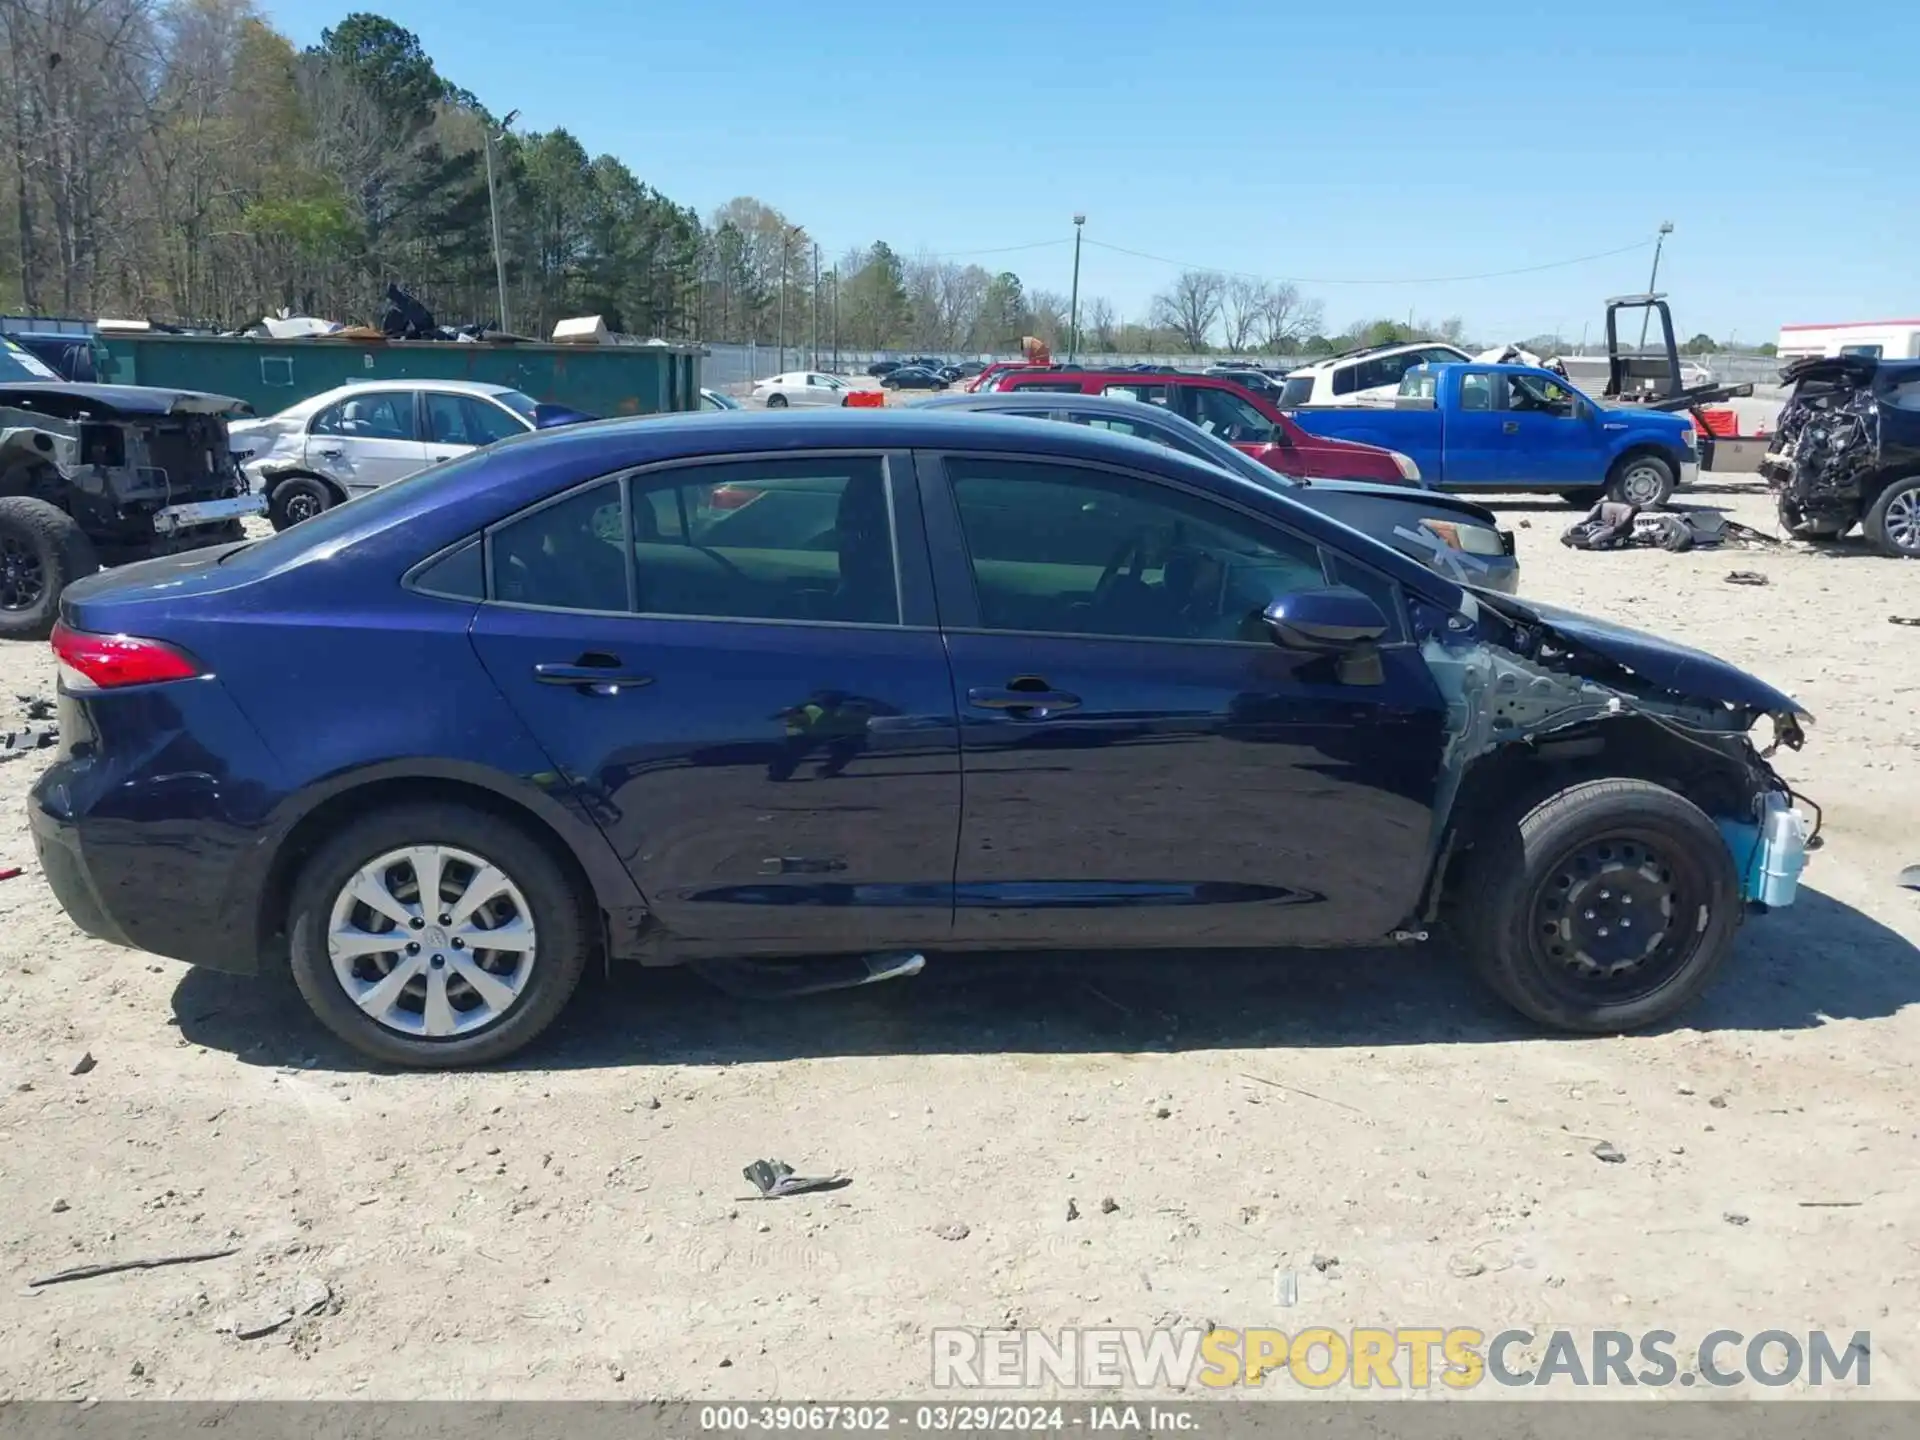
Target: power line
x=1419 y=280
x=1004 y=249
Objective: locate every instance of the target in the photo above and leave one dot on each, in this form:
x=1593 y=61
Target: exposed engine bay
x=1850 y=427
x=136 y=469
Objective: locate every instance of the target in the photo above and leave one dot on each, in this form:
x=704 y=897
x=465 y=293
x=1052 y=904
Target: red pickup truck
x=1248 y=421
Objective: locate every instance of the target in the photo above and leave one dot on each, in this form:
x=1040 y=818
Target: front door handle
x=1509 y=427
x=590 y=674
x=1024 y=700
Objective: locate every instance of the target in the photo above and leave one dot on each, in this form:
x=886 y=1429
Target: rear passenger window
x=1063 y=387
x=564 y=556
x=1147 y=394
x=767 y=540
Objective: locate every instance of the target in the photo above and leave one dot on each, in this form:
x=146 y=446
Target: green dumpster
x=270 y=375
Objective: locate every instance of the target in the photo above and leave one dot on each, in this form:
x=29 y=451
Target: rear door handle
x=1509 y=427
x=590 y=674
x=333 y=453
x=1024 y=703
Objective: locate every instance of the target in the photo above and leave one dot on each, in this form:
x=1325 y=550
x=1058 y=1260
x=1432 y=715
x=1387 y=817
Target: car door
x=370 y=438
x=455 y=424
x=1477 y=446
x=1548 y=439
x=1142 y=764
x=752 y=698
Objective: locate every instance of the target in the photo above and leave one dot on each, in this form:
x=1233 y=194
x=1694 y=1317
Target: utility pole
x=836 y=319
x=1073 y=306
x=816 y=304
x=493 y=208
x=1653 y=280
x=786 y=264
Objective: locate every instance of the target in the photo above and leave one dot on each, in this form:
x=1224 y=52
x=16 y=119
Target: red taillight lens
x=106 y=662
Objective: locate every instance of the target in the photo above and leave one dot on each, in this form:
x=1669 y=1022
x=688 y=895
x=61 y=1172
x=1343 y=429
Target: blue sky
x=1378 y=141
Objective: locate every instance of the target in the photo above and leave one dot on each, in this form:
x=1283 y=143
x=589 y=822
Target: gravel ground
x=572 y=1226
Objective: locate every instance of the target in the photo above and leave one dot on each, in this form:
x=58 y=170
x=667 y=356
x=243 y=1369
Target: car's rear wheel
x=1606 y=907
x=435 y=936
x=42 y=551
x=1643 y=480
x=776 y=402
x=297 y=498
x=1893 y=522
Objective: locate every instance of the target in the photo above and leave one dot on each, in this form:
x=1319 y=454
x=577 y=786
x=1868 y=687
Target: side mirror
x=1325 y=622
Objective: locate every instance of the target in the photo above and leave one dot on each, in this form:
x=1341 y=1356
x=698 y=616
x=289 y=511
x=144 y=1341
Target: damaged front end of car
x=142 y=472
x=1540 y=699
x=1826 y=445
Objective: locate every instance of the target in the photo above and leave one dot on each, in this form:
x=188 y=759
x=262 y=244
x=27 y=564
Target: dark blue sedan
x=856 y=686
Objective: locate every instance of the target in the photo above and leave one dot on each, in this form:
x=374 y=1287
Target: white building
x=1881 y=339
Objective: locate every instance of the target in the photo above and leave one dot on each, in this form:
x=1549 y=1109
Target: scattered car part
x=775 y=1180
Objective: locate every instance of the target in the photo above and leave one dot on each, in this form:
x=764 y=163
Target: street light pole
x=1073 y=306
x=1666 y=229
x=493 y=209
x=836 y=319
x=786 y=264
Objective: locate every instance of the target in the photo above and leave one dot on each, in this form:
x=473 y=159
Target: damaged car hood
x=114 y=402
x=1680 y=669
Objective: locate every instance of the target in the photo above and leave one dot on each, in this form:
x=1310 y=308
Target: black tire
x=776 y=402
x=1643 y=479
x=1510 y=909
x=42 y=551
x=1586 y=498
x=297 y=498
x=1893 y=522
x=560 y=913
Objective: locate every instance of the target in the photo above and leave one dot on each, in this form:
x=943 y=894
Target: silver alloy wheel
x=1642 y=483
x=431 y=941
x=1903 y=520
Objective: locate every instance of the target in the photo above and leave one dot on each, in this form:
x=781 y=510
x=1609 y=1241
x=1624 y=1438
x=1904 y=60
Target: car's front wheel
x=434 y=936
x=297 y=498
x=1893 y=521
x=1606 y=907
x=1644 y=480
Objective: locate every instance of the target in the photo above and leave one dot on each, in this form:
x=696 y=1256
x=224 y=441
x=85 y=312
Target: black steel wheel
x=42 y=551
x=1606 y=907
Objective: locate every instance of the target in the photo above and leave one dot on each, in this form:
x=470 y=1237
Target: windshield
x=18 y=363
x=525 y=406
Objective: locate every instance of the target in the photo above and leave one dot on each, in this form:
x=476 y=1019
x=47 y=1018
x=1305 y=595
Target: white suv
x=1363 y=377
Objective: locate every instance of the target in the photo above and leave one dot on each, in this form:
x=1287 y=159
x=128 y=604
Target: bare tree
x=1100 y=325
x=962 y=293
x=1192 y=307
x=1288 y=318
x=1246 y=308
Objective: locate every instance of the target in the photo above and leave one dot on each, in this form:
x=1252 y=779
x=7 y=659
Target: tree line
x=182 y=160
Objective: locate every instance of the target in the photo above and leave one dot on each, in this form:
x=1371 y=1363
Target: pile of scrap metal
x=1615 y=525
x=1847 y=451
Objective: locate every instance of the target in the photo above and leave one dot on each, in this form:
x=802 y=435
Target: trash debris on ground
x=38 y=707
x=1903 y=619
x=1746 y=577
x=775 y=1180
x=85 y=1063
x=305 y=1298
x=1617 y=525
x=1606 y=1154
x=114 y=1267
x=10 y=872
x=24 y=742
x=1910 y=877
x=952 y=1230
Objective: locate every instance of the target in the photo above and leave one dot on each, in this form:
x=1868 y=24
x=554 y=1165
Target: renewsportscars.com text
x=1400 y=1358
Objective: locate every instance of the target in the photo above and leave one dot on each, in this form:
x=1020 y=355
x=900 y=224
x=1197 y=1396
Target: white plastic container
x=1783 y=852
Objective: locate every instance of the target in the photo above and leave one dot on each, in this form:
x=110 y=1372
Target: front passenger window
x=1058 y=549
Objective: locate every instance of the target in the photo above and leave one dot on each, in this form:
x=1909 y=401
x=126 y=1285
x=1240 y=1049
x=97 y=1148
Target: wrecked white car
x=103 y=474
x=1847 y=451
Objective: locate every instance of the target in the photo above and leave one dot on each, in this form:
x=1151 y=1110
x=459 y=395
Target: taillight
x=107 y=662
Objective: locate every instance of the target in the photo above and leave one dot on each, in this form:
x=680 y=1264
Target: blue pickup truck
x=1514 y=427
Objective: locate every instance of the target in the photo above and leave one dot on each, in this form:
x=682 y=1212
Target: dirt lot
x=572 y=1227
